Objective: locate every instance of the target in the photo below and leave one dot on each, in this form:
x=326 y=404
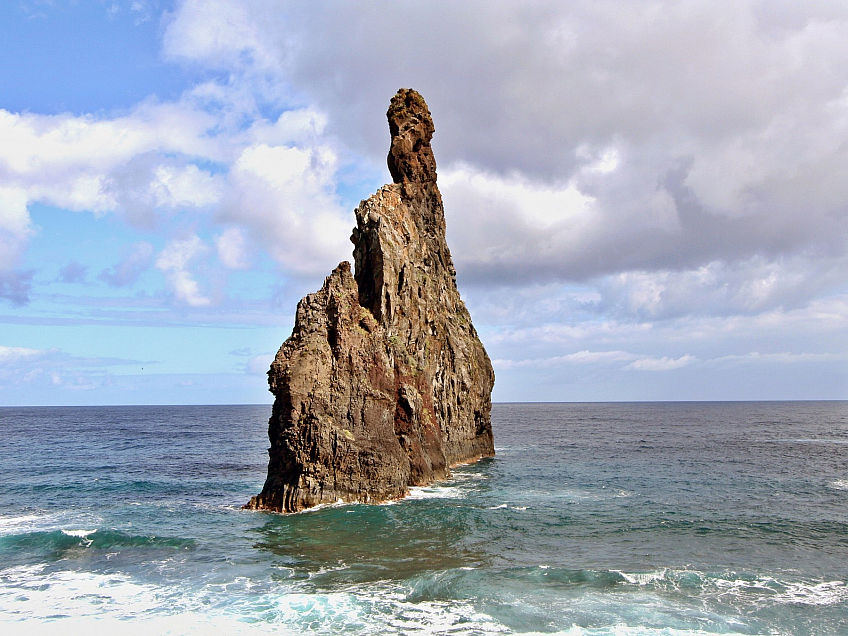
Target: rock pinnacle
x=384 y=383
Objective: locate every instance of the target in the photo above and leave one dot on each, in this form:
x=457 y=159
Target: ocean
x=620 y=518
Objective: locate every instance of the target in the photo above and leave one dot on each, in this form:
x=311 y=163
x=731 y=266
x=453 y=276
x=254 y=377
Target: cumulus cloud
x=598 y=139
x=209 y=153
x=581 y=140
x=14 y=224
x=259 y=365
x=230 y=34
x=136 y=164
x=70 y=161
x=174 y=260
x=92 y=163
x=15 y=230
x=232 y=248
x=284 y=194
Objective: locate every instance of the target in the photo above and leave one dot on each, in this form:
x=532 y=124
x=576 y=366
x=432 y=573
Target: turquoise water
x=668 y=518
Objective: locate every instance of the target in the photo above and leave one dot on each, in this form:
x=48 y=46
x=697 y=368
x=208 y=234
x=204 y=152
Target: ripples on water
x=593 y=519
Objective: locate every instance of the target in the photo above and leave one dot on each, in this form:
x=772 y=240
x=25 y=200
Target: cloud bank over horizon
x=651 y=189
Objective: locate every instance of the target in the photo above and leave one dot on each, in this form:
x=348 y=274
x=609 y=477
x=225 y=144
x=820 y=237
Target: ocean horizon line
x=503 y=402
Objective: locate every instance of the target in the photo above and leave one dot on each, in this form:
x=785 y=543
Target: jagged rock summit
x=383 y=383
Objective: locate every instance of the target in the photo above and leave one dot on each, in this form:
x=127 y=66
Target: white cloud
x=13 y=354
x=15 y=230
x=142 y=160
x=184 y=186
x=585 y=357
x=284 y=196
x=173 y=261
x=259 y=365
x=658 y=160
x=742 y=287
x=232 y=248
x=542 y=207
x=638 y=363
x=85 y=163
x=661 y=364
x=220 y=33
x=209 y=152
x=14 y=225
x=783 y=357
x=751 y=347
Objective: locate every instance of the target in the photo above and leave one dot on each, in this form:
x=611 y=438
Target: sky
x=645 y=200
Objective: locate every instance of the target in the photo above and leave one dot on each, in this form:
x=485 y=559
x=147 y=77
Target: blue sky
x=645 y=200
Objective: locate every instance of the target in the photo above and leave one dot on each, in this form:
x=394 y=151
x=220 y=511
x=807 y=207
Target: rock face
x=383 y=383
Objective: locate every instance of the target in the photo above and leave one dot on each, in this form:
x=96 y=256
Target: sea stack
x=384 y=383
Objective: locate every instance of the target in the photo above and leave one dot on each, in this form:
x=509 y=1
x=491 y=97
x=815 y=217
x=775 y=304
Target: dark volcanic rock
x=383 y=383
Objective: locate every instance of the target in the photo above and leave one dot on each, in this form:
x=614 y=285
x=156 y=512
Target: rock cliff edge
x=383 y=383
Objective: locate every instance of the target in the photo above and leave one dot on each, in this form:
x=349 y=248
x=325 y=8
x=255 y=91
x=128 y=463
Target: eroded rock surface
x=384 y=383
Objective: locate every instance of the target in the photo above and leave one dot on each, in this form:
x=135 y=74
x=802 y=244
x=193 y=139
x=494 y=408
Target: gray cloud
x=15 y=286
x=723 y=121
x=73 y=272
x=129 y=270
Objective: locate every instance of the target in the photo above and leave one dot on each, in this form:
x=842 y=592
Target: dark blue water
x=593 y=519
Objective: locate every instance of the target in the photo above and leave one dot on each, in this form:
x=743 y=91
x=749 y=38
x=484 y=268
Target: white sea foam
x=587 y=495
x=203 y=623
x=644 y=578
x=179 y=624
x=828 y=593
x=839 y=484
x=20 y=524
x=35 y=600
x=460 y=476
x=505 y=506
x=82 y=534
x=326 y=570
x=754 y=589
x=387 y=610
x=13 y=525
x=457 y=487
x=785 y=593
x=336 y=504
x=31 y=592
x=627 y=630
x=435 y=492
